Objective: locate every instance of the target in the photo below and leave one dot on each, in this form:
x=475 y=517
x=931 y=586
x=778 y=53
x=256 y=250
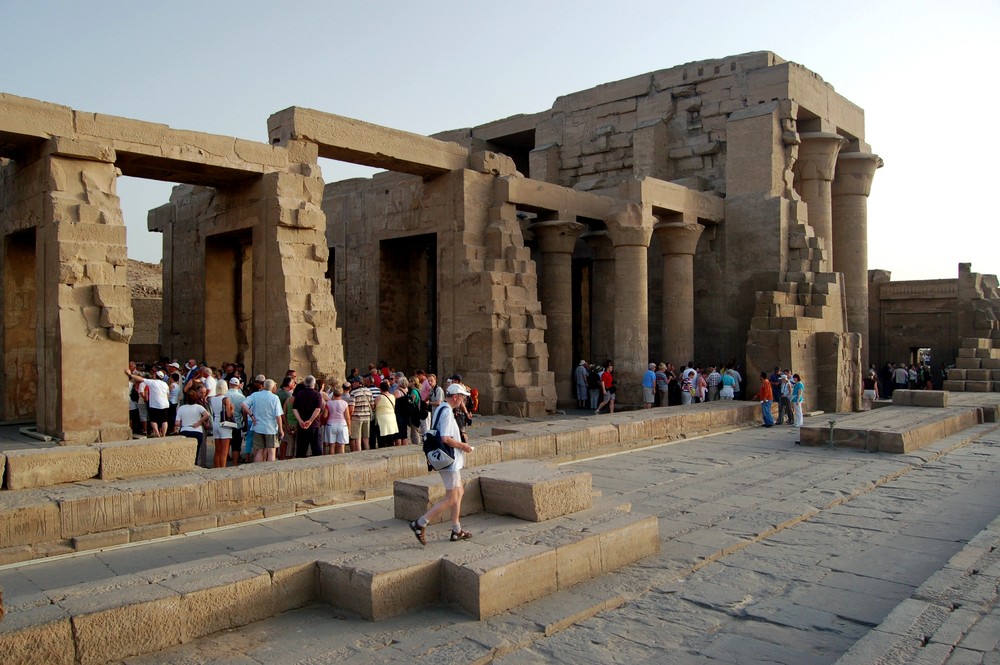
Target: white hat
x=235 y=381
x=457 y=389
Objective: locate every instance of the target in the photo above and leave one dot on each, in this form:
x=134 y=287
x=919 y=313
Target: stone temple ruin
x=713 y=210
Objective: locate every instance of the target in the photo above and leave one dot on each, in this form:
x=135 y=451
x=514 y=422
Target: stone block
x=126 y=459
x=977 y=375
x=16 y=554
x=976 y=343
x=124 y=622
x=534 y=492
x=990 y=363
x=995 y=375
x=51 y=466
x=148 y=532
x=520 y=446
x=585 y=440
x=223 y=598
x=190 y=524
x=954 y=386
x=39 y=635
x=96 y=541
x=294 y=584
x=956 y=374
x=413 y=496
x=26 y=520
x=966 y=353
x=967 y=363
x=978 y=386
x=931 y=398
x=382 y=586
x=483 y=588
x=627 y=539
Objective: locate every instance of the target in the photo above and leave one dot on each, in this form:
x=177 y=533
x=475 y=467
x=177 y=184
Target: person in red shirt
x=766 y=396
x=608 y=385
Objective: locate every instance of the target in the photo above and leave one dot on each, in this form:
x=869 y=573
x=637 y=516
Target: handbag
x=229 y=423
x=439 y=454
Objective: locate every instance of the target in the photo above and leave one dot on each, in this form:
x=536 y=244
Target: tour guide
x=444 y=417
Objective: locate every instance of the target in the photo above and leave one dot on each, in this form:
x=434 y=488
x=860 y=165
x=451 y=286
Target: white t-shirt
x=158 y=395
x=189 y=416
x=210 y=383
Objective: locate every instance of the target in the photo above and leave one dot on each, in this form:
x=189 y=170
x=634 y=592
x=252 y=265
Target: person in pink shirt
x=337 y=426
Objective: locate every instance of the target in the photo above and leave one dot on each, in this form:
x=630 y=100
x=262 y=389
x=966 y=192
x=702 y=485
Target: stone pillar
x=295 y=321
x=556 y=240
x=851 y=186
x=814 y=171
x=678 y=243
x=84 y=302
x=630 y=232
x=602 y=303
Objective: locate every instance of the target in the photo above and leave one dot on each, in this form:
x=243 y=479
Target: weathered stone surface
x=534 y=492
x=382 y=586
x=125 y=459
x=51 y=466
x=222 y=599
x=414 y=496
x=482 y=587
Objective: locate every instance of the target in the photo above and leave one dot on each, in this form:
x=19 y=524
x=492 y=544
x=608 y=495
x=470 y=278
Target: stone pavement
x=770 y=553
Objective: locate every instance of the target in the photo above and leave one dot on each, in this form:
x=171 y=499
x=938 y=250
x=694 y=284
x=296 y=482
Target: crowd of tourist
x=265 y=419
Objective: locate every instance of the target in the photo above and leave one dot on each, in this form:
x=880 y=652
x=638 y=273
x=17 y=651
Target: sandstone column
x=814 y=171
x=851 y=186
x=602 y=322
x=630 y=232
x=556 y=240
x=678 y=243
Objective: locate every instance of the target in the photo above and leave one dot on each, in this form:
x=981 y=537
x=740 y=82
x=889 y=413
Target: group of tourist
x=264 y=419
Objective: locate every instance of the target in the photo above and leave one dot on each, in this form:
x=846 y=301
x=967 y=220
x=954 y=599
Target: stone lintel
x=349 y=140
x=60 y=146
x=539 y=196
x=557 y=236
x=678 y=238
x=855 y=172
x=818 y=155
x=666 y=197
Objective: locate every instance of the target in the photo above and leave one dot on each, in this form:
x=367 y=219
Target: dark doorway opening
x=20 y=315
x=408 y=302
x=229 y=298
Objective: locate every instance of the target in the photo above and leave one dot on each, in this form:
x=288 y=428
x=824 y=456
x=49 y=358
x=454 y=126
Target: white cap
x=457 y=389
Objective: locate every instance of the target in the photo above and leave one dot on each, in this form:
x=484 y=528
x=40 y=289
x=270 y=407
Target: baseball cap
x=160 y=374
x=235 y=381
x=457 y=389
x=260 y=377
x=174 y=365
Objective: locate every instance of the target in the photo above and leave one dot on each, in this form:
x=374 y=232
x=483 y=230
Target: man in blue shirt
x=264 y=409
x=648 y=386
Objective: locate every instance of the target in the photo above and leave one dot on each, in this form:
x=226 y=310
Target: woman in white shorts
x=337 y=427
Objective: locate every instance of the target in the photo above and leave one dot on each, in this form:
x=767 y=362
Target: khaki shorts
x=360 y=428
x=262 y=441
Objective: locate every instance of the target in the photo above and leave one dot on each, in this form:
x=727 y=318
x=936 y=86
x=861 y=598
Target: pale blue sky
x=925 y=73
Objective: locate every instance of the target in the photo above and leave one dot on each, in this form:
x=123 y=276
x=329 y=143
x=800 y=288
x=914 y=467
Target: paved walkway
x=770 y=553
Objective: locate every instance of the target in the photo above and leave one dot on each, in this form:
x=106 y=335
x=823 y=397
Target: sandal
x=418 y=531
x=460 y=535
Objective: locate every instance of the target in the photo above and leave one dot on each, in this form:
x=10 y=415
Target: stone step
x=893 y=429
x=506 y=564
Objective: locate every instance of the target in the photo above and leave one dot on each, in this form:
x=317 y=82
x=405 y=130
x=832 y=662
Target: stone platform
x=891 y=429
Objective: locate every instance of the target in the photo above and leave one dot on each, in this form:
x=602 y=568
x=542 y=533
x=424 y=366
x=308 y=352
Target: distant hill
x=145 y=279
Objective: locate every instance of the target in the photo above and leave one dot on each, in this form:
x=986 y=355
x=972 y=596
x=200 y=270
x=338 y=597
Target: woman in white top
x=337 y=426
x=222 y=410
x=192 y=418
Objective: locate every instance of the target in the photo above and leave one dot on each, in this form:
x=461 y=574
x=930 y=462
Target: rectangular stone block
x=628 y=539
x=26 y=520
x=51 y=466
x=534 y=492
x=955 y=374
x=222 y=599
x=16 y=554
x=41 y=635
x=190 y=524
x=585 y=440
x=294 y=584
x=521 y=446
x=96 y=541
x=412 y=497
x=967 y=363
x=124 y=622
x=126 y=459
x=976 y=343
x=383 y=586
x=148 y=532
x=484 y=587
x=966 y=353
x=986 y=354
x=978 y=386
x=977 y=375
x=931 y=398
x=990 y=363
x=902 y=397
x=954 y=386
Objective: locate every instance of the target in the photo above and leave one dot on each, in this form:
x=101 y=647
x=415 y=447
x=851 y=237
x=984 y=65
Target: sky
x=924 y=72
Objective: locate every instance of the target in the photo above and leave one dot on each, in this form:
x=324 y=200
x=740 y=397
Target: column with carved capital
x=814 y=171
x=556 y=240
x=851 y=185
x=678 y=243
x=630 y=232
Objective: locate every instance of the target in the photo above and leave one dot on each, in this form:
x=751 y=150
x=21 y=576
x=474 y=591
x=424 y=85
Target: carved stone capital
x=817 y=158
x=678 y=237
x=557 y=236
x=855 y=172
